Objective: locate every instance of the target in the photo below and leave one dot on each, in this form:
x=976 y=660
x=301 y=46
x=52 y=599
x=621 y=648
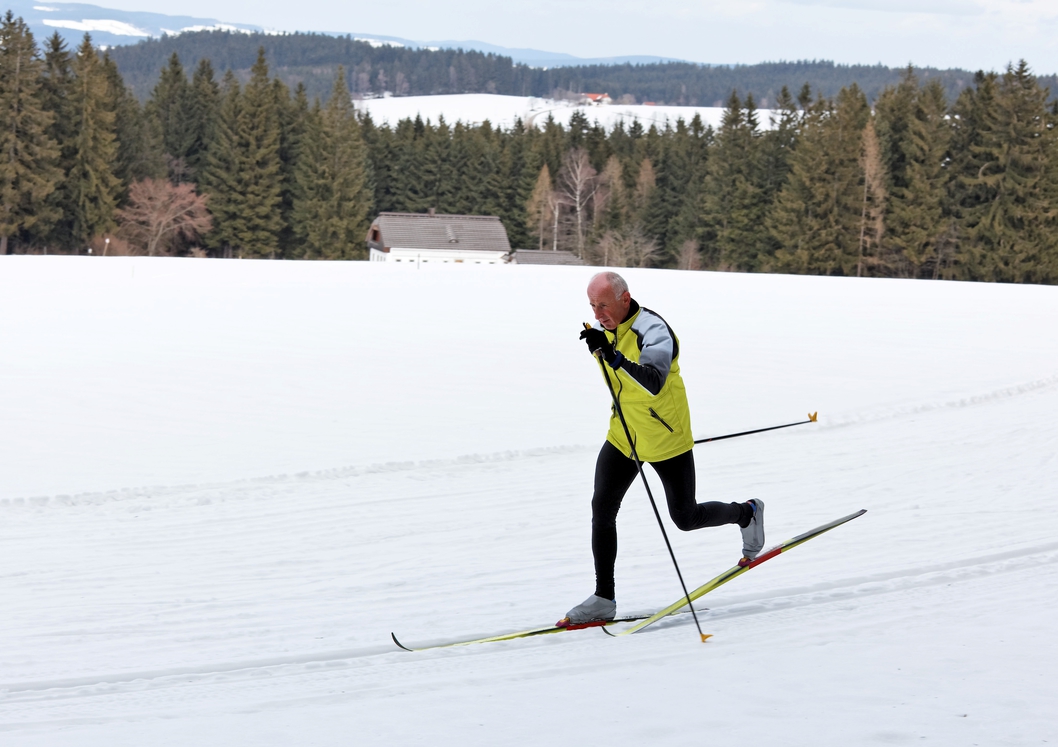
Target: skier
x=641 y=353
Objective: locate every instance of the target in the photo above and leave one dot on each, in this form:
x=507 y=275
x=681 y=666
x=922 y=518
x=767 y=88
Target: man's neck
x=633 y=309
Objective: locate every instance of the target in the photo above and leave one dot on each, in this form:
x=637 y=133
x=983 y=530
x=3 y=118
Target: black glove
x=596 y=339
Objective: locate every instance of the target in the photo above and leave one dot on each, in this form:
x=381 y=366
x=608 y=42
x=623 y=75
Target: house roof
x=545 y=257
x=425 y=231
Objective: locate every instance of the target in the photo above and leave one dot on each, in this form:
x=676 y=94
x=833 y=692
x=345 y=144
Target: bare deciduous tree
x=541 y=209
x=872 y=218
x=160 y=214
x=628 y=247
x=577 y=185
x=609 y=197
x=646 y=181
x=690 y=256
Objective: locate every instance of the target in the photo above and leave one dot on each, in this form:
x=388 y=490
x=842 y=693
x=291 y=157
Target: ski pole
x=653 y=505
x=811 y=419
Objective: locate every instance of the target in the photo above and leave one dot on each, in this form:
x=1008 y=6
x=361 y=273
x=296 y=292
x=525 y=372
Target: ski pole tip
x=706 y=637
x=812 y=416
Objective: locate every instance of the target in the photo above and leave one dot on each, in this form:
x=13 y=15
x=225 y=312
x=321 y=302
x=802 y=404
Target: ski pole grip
x=597 y=353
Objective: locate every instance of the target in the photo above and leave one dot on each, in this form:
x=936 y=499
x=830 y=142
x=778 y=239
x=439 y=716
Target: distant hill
x=107 y=26
x=113 y=28
x=373 y=68
x=141 y=43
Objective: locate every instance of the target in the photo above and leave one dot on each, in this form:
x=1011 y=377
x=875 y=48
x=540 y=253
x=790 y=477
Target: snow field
x=503 y=111
x=380 y=449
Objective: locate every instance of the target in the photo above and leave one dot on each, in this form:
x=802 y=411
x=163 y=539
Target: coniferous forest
x=912 y=182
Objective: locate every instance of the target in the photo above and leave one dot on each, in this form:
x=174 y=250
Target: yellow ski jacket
x=645 y=375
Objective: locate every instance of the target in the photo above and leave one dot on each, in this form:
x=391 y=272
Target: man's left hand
x=596 y=339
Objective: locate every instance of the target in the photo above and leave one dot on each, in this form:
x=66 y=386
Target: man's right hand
x=596 y=339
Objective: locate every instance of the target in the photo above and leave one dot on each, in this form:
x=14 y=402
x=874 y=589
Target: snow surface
x=223 y=483
x=120 y=28
x=502 y=111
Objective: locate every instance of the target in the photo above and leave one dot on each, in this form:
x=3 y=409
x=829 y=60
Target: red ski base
x=567 y=625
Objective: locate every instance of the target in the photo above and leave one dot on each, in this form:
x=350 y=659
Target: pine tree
x=140 y=153
x=815 y=220
x=243 y=177
x=27 y=154
x=1009 y=213
x=493 y=170
x=221 y=179
x=332 y=207
x=170 y=105
x=203 y=110
x=92 y=187
x=673 y=180
x=435 y=166
x=461 y=155
x=57 y=91
x=777 y=144
x=380 y=159
x=734 y=204
x=523 y=168
x=292 y=114
x=687 y=228
x=408 y=179
x=918 y=218
x=577 y=130
x=503 y=185
x=775 y=148
x=895 y=114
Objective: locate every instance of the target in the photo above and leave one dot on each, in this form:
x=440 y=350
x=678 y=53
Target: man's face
x=610 y=309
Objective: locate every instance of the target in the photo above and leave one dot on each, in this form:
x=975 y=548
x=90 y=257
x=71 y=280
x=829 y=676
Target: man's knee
x=684 y=521
x=604 y=511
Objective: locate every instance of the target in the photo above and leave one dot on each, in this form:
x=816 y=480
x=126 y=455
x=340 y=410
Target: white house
x=418 y=238
x=596 y=99
x=544 y=257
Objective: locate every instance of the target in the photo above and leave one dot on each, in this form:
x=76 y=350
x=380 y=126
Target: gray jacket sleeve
x=657 y=349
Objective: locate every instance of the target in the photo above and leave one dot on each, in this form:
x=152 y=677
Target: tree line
x=916 y=186
x=313 y=59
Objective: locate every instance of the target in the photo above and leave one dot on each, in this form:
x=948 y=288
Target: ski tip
x=812 y=416
x=394 y=637
x=706 y=637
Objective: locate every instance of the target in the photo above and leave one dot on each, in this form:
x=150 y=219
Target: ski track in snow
x=227 y=491
x=841 y=591
x=258 y=611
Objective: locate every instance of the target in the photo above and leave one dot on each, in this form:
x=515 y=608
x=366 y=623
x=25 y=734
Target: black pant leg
x=677 y=477
x=614 y=473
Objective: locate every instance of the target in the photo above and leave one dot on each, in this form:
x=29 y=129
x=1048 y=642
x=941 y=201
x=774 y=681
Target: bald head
x=609 y=298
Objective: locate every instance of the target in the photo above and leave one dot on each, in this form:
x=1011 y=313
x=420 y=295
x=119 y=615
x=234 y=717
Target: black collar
x=633 y=309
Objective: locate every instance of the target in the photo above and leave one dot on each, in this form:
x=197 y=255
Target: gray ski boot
x=753 y=534
x=592 y=609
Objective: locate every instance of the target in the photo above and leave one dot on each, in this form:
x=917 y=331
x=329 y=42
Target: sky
x=971 y=34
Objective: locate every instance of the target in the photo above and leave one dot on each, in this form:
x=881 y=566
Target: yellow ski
x=738 y=570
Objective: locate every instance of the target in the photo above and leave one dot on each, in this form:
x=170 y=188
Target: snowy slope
x=503 y=111
x=223 y=483
x=108 y=26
